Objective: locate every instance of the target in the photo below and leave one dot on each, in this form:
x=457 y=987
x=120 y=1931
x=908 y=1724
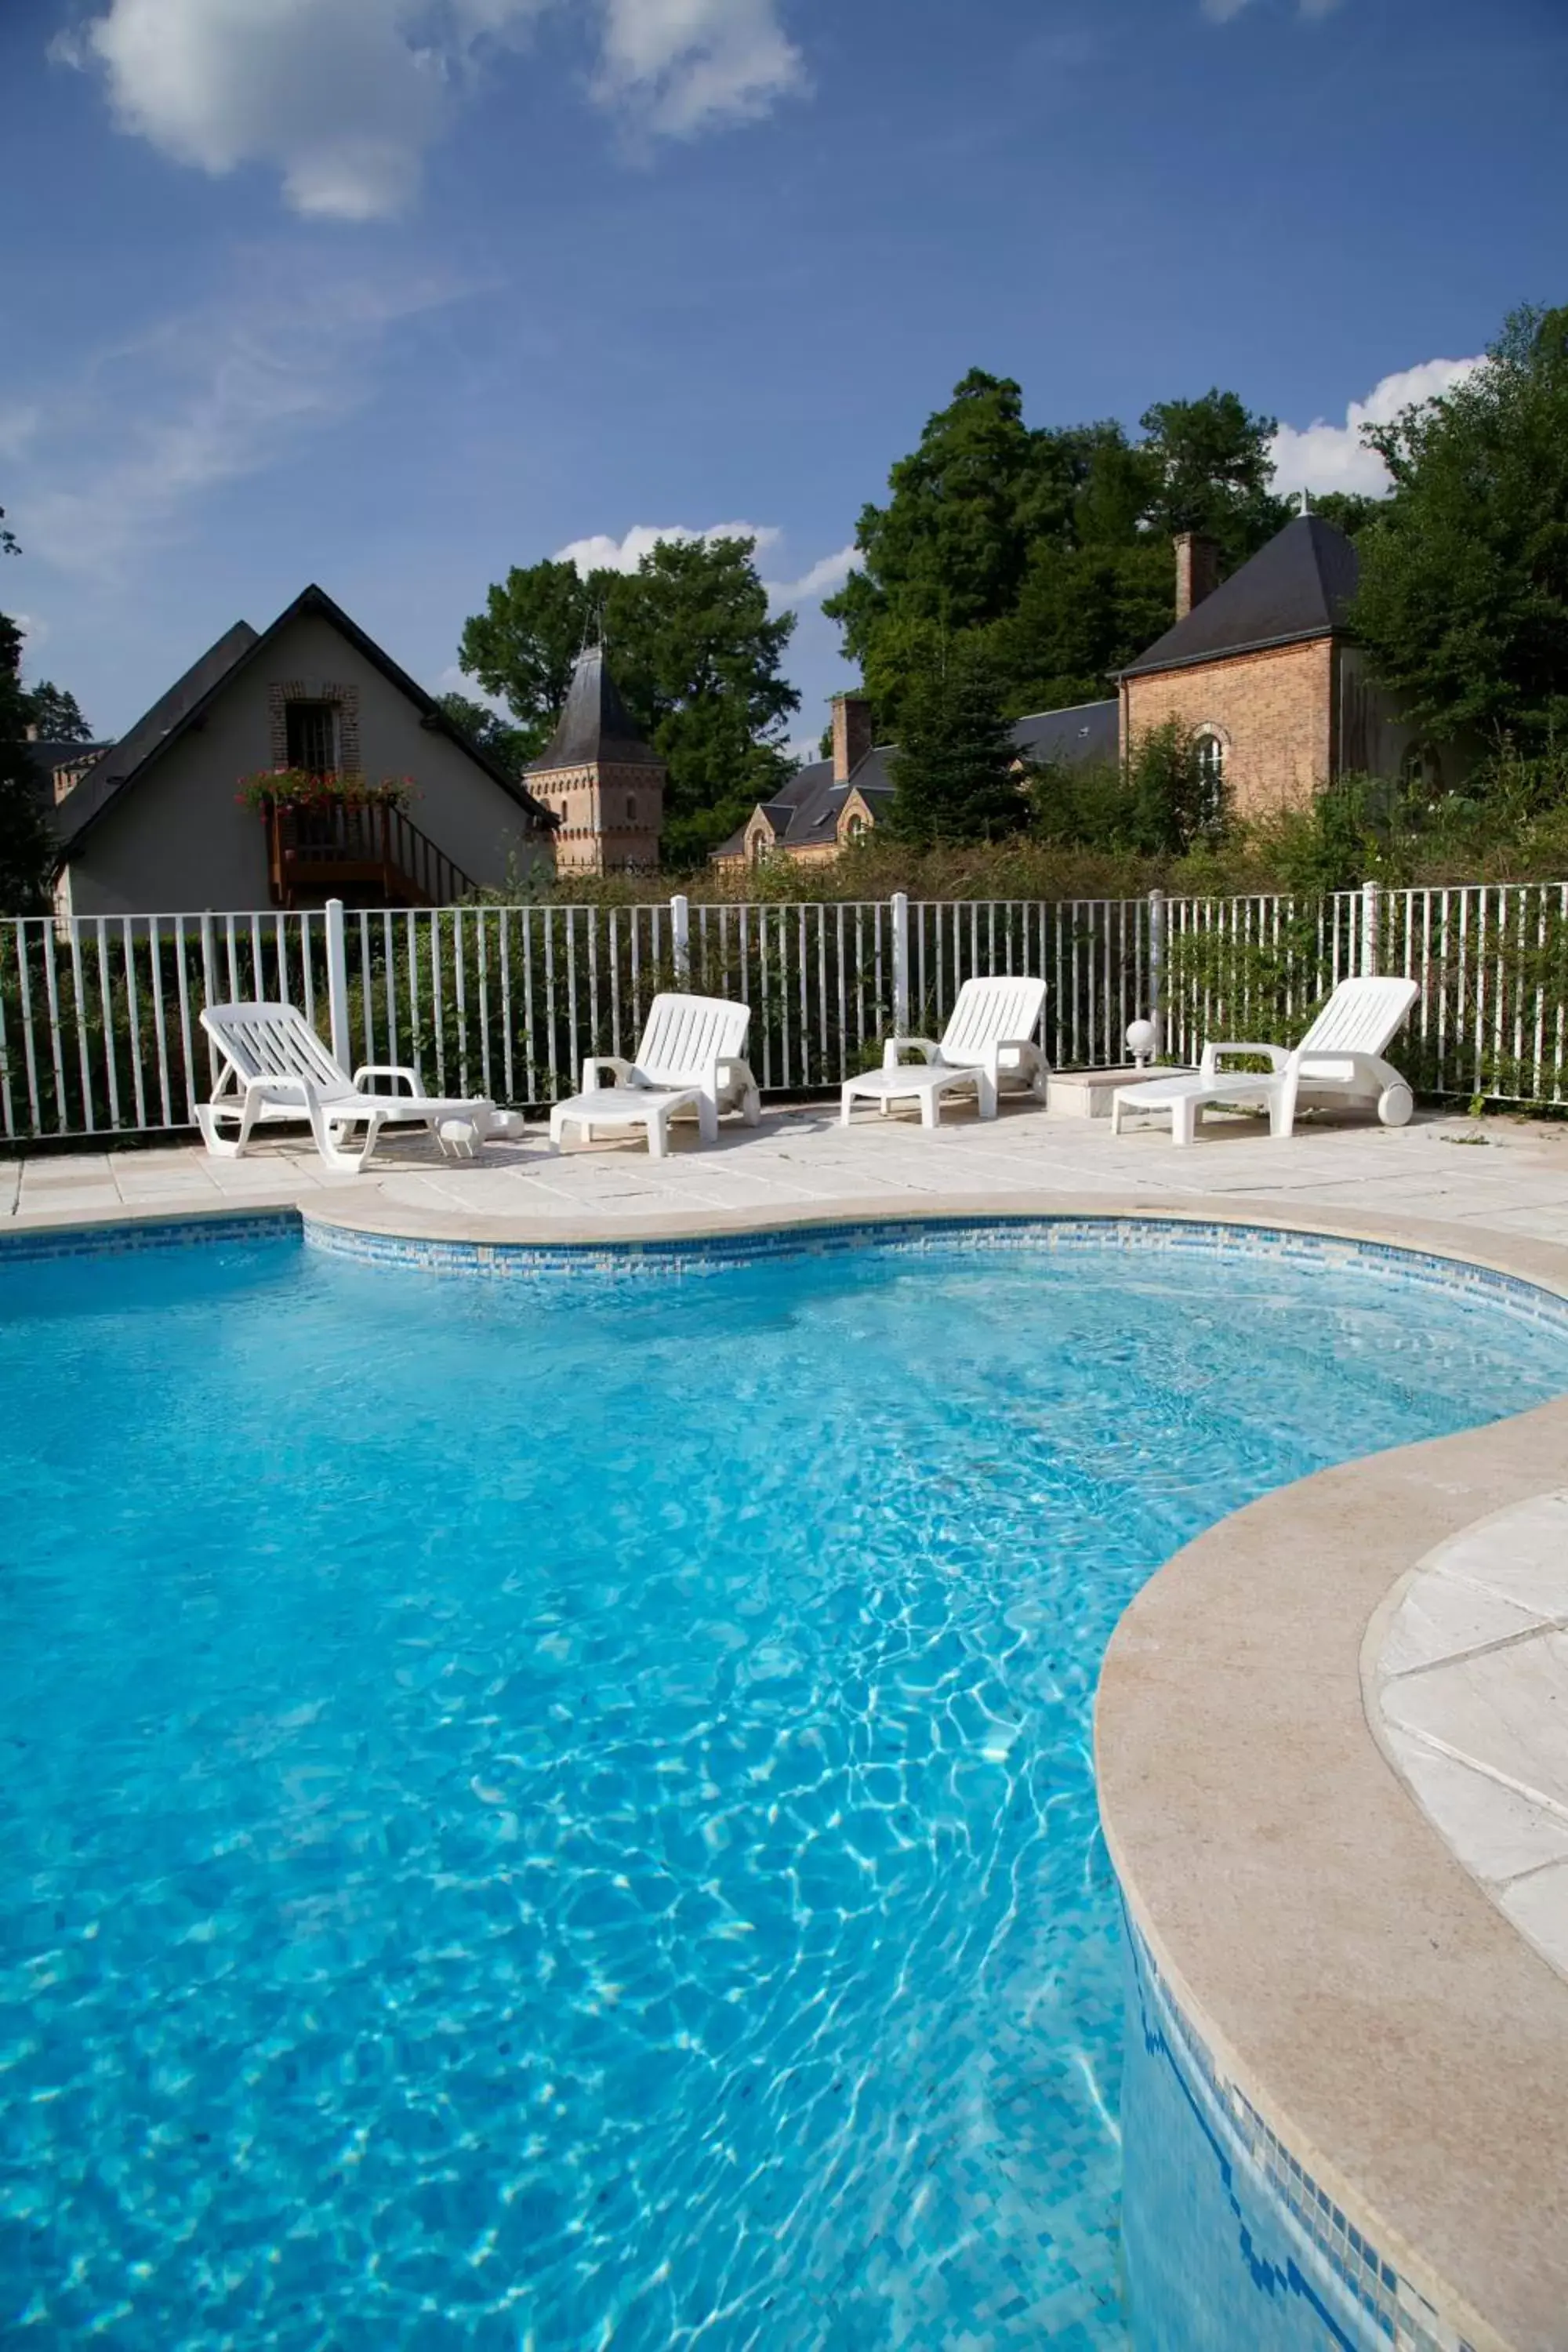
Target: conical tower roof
x=595 y=727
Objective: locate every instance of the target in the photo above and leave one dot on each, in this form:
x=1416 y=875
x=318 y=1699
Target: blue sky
x=393 y=294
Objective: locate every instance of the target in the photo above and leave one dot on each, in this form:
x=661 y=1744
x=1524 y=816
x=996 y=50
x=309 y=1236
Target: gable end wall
x=177 y=842
x=1274 y=712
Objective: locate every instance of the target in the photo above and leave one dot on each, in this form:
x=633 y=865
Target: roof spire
x=594 y=725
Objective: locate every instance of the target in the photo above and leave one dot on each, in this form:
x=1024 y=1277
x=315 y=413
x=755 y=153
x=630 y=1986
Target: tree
x=1210 y=470
x=953 y=770
x=1349 y=511
x=522 y=645
x=1173 y=801
x=1052 y=541
x=511 y=747
x=695 y=654
x=54 y=715
x=26 y=858
x=1463 y=602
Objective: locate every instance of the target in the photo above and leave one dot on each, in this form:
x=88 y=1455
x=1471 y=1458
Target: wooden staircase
x=366 y=853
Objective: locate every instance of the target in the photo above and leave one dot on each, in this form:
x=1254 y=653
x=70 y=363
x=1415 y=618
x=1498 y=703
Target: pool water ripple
x=563 y=1815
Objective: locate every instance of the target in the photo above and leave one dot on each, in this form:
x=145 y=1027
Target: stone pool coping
x=1344 y=1971
x=1342 y=1968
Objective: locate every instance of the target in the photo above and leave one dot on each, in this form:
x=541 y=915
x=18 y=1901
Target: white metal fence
x=99 y=1029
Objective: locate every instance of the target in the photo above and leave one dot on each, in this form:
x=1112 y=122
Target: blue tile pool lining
x=684 y=1258
x=1355 y=2295
x=688 y=1257
x=116 y=1236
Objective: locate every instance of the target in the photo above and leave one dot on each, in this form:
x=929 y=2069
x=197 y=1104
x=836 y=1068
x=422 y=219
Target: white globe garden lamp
x=1141 y=1042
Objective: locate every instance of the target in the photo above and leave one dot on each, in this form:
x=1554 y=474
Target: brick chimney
x=1197 y=569
x=852 y=734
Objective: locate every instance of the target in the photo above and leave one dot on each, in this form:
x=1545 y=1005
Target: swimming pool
x=555 y=1813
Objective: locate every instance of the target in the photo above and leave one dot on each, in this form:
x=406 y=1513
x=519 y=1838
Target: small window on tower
x=312 y=733
x=631 y=808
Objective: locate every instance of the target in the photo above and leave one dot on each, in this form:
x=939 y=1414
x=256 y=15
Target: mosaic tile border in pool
x=682 y=1258
x=119 y=1235
x=1339 y=2265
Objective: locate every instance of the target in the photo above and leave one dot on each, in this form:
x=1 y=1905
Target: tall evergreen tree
x=954 y=771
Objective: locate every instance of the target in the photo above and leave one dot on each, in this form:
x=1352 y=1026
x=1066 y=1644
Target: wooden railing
x=367 y=853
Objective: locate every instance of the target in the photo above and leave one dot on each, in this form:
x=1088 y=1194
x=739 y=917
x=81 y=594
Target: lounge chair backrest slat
x=1361 y=1016
x=685 y=1036
x=988 y=1011
x=273 y=1041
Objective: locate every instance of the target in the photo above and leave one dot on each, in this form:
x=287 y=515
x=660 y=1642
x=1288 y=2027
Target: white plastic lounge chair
x=989 y=1037
x=275 y=1068
x=1340 y=1060
x=688 y=1060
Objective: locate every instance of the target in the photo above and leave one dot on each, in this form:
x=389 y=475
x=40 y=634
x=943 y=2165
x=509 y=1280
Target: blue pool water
x=560 y=1815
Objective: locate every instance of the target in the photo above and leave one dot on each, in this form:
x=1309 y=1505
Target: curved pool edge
x=1317 y=1969
x=1317 y=1949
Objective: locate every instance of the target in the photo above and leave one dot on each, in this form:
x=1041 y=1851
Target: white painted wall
x=177 y=842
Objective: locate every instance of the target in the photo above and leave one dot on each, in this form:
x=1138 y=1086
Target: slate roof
x=594 y=725
x=1088 y=730
x=1299 y=586
x=124 y=763
x=807 y=809
x=168 y=716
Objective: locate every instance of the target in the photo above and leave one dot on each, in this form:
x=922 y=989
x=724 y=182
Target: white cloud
x=1323 y=457
x=603 y=553
x=343 y=98
x=200 y=400
x=682 y=65
x=1221 y=12
x=822 y=579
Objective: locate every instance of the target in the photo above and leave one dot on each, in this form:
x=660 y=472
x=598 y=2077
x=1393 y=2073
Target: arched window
x=856 y=826
x=1211 y=746
x=1421 y=776
x=631 y=808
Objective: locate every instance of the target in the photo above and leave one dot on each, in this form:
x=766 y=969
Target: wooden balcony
x=366 y=853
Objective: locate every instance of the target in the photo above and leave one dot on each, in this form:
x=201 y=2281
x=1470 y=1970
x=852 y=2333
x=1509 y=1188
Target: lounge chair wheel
x=1395 y=1104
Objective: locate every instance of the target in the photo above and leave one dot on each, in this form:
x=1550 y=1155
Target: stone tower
x=600 y=778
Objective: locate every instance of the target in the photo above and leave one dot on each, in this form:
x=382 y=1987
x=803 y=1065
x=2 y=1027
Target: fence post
x=900 y=963
x=1369 y=896
x=338 y=983
x=210 y=993
x=680 y=935
x=1157 y=970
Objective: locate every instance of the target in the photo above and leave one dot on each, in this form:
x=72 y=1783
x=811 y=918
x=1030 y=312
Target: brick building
x=828 y=804
x=1261 y=666
x=600 y=778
